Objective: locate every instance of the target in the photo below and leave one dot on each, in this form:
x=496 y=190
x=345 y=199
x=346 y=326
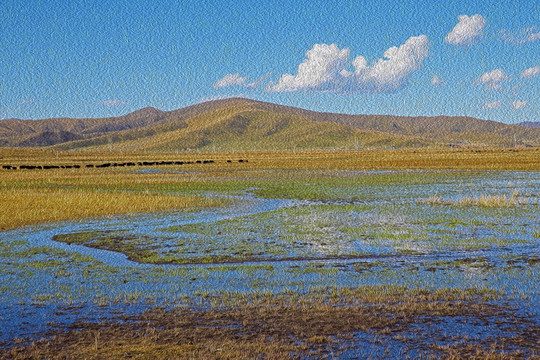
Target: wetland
x=259 y=261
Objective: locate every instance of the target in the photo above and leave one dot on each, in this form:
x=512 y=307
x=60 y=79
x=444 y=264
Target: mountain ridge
x=245 y=124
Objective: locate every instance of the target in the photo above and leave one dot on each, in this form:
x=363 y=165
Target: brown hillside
x=243 y=124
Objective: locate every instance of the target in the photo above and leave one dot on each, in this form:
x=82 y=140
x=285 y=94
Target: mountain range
x=243 y=124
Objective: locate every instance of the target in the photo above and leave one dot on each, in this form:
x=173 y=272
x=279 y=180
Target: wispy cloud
x=113 y=102
x=436 y=80
x=519 y=104
x=491 y=105
x=26 y=101
x=526 y=35
x=258 y=82
x=237 y=80
x=467 y=31
x=492 y=80
x=325 y=69
x=530 y=72
x=230 y=80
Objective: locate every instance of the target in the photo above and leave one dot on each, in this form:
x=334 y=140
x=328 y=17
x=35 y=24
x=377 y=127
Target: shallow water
x=387 y=235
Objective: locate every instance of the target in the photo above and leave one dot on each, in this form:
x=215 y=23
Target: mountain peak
x=146 y=111
x=247 y=124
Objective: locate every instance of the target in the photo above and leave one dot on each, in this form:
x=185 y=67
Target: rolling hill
x=530 y=123
x=242 y=124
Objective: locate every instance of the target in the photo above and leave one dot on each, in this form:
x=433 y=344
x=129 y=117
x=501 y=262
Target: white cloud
x=113 y=103
x=436 y=80
x=319 y=72
x=259 y=81
x=532 y=37
x=325 y=69
x=530 y=72
x=237 y=80
x=230 y=80
x=491 y=105
x=467 y=31
x=26 y=101
x=519 y=104
x=492 y=80
x=525 y=36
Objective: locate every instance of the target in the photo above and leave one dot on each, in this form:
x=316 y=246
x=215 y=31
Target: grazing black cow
x=240 y=160
x=130 y=164
x=198 y=161
x=89 y=165
x=77 y=166
x=229 y=161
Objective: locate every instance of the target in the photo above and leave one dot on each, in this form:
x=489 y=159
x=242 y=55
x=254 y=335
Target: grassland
x=38 y=196
x=271 y=257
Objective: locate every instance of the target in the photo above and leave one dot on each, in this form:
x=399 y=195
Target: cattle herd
x=112 y=164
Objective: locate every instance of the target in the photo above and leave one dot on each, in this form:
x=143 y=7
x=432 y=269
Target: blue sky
x=94 y=59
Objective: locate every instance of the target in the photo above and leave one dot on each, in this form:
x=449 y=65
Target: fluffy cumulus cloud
x=491 y=105
x=113 y=103
x=530 y=72
x=325 y=69
x=320 y=71
x=492 y=80
x=230 y=80
x=519 y=104
x=467 y=31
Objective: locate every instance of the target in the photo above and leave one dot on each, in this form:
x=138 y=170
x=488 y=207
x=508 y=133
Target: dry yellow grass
x=428 y=159
x=458 y=159
x=484 y=200
x=30 y=206
x=37 y=196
